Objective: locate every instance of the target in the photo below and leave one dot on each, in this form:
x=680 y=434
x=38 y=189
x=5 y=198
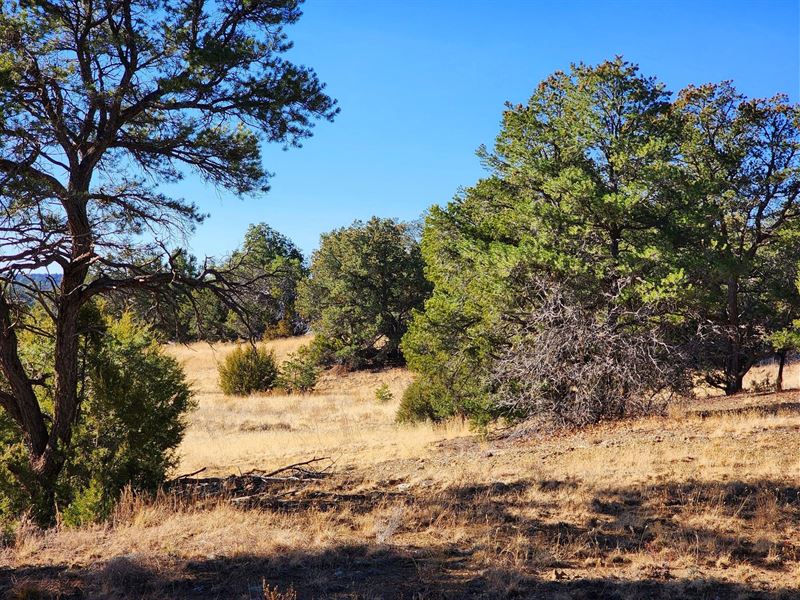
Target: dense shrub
x=246 y=370
x=415 y=405
x=131 y=422
x=452 y=342
x=299 y=372
x=365 y=281
x=425 y=400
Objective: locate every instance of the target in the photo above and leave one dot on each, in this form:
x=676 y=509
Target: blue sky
x=421 y=84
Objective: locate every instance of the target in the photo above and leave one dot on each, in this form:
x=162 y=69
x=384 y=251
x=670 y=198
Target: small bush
x=282 y=329
x=299 y=372
x=762 y=386
x=88 y=505
x=383 y=394
x=247 y=370
x=432 y=399
x=417 y=404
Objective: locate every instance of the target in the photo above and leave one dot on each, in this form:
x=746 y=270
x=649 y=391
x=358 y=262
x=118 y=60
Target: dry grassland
x=701 y=503
x=341 y=419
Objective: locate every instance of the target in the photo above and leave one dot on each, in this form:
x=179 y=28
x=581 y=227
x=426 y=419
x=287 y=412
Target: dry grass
x=768 y=373
x=703 y=503
x=342 y=419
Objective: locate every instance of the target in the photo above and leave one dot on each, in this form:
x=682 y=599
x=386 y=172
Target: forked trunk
x=47 y=463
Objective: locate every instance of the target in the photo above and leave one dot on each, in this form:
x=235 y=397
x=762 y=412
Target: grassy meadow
x=701 y=503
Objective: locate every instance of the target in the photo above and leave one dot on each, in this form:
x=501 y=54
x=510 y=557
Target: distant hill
x=45 y=278
x=42 y=281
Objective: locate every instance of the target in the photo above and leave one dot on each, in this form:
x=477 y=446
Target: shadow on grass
x=762 y=410
x=618 y=522
x=350 y=572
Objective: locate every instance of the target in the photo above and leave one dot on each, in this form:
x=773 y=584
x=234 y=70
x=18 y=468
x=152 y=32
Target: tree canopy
x=364 y=282
x=99 y=103
x=630 y=202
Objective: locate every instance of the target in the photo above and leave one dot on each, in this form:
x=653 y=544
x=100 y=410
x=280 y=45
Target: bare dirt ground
x=701 y=503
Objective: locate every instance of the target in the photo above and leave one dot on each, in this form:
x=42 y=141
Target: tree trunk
x=781 y=364
x=733 y=371
x=47 y=465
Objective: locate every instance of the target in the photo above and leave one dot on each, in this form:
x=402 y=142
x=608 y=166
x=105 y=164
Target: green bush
x=365 y=281
x=284 y=328
x=417 y=404
x=246 y=370
x=299 y=372
x=130 y=424
x=383 y=394
x=432 y=399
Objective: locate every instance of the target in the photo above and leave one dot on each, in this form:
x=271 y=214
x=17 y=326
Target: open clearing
x=702 y=503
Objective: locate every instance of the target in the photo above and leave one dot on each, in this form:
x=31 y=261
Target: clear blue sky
x=421 y=84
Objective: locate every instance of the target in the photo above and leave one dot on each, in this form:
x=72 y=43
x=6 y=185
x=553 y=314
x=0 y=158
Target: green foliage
x=590 y=187
x=274 y=266
x=88 y=505
x=742 y=234
x=284 y=328
x=269 y=268
x=383 y=394
x=788 y=339
x=299 y=372
x=432 y=399
x=131 y=421
x=185 y=315
x=365 y=280
x=416 y=405
x=469 y=248
x=246 y=370
x=138 y=95
x=566 y=199
x=425 y=400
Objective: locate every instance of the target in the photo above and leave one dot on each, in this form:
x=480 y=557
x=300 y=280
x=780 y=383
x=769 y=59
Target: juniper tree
x=364 y=282
x=581 y=189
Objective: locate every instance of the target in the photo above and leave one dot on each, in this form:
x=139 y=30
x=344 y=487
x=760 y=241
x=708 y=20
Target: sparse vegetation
x=247 y=370
x=568 y=364
x=383 y=394
x=640 y=508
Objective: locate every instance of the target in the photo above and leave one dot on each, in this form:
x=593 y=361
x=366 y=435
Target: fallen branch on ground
x=250 y=484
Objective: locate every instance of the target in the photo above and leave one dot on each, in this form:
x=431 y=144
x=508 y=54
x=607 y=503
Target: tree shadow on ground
x=345 y=573
x=761 y=410
x=618 y=522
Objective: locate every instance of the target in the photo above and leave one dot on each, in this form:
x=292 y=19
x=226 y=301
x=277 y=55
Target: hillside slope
x=702 y=503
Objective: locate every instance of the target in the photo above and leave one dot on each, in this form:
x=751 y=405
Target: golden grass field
x=701 y=503
x=341 y=419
